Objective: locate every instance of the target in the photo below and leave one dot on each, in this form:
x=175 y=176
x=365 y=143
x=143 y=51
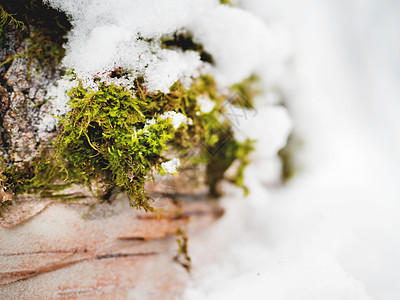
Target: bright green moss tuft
x=104 y=137
x=108 y=135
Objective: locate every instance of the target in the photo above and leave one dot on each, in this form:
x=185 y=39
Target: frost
x=171 y=166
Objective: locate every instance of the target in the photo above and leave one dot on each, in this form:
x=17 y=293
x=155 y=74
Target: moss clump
x=112 y=134
x=105 y=136
x=118 y=136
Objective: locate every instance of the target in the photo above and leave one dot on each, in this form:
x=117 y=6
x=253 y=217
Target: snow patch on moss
x=129 y=35
x=205 y=104
x=171 y=166
x=177 y=119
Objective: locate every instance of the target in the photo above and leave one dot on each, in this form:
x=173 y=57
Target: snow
x=47 y=124
x=271 y=123
x=171 y=166
x=205 y=104
x=238 y=41
x=177 y=119
x=333 y=231
x=128 y=35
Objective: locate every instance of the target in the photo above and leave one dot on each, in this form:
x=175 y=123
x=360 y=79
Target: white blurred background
x=334 y=231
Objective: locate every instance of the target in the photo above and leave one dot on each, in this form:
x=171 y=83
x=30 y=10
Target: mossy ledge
x=113 y=136
x=118 y=137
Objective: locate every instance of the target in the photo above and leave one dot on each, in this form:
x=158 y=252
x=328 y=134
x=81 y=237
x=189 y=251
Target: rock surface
x=61 y=254
x=65 y=244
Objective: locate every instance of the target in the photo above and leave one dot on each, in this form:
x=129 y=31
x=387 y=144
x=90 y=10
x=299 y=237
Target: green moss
x=289 y=168
x=106 y=135
x=8 y=60
x=5 y=193
x=182 y=257
x=245 y=91
x=38 y=175
x=47 y=51
x=230 y=151
x=6 y=19
x=227 y=2
x=104 y=138
x=116 y=137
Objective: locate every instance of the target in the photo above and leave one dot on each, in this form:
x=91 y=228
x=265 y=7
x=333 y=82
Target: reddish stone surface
x=124 y=254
